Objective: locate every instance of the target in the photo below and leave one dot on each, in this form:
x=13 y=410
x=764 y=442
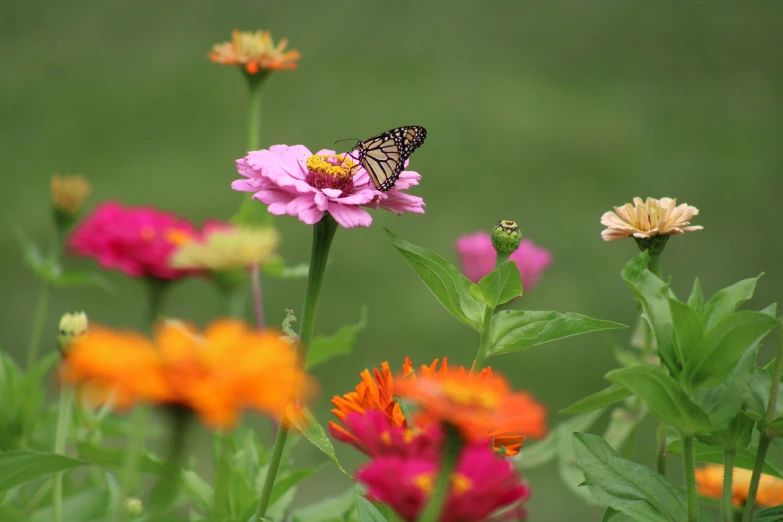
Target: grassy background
x=547 y=113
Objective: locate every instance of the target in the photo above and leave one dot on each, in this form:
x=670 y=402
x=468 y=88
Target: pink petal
x=350 y=216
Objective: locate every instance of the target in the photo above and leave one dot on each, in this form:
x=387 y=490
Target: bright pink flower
x=481 y=484
x=373 y=433
x=135 y=240
x=478 y=258
x=293 y=181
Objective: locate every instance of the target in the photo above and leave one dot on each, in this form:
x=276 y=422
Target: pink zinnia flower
x=478 y=258
x=135 y=240
x=293 y=181
x=373 y=433
x=481 y=484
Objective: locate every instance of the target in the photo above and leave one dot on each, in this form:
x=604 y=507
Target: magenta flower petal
x=478 y=258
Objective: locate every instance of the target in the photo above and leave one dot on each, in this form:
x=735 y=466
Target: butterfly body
x=383 y=156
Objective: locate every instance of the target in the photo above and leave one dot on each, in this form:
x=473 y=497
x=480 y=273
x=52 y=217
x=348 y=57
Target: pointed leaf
x=315 y=433
x=447 y=283
x=688 y=329
x=84 y=506
x=198 y=490
x=664 y=396
x=252 y=213
x=285 y=482
x=108 y=456
x=541 y=452
x=516 y=330
x=772 y=514
x=630 y=488
x=621 y=424
x=716 y=356
x=600 y=399
x=612 y=515
x=723 y=402
x=654 y=295
x=282 y=271
x=331 y=509
x=569 y=470
x=367 y=511
x=77 y=279
x=499 y=286
x=323 y=348
x=725 y=301
x=696 y=299
x=20 y=467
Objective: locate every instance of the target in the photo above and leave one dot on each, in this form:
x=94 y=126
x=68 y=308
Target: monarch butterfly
x=383 y=156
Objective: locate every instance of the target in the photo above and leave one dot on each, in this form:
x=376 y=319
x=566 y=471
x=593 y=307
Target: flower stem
x=655 y=268
x=130 y=465
x=38 y=324
x=64 y=413
x=486 y=339
x=165 y=489
x=221 y=507
x=726 y=506
x=437 y=502
x=236 y=303
x=323 y=234
x=156 y=290
x=690 y=477
x=253 y=143
x=257 y=297
x=766 y=435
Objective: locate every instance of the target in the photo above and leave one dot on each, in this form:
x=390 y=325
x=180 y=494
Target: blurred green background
x=547 y=113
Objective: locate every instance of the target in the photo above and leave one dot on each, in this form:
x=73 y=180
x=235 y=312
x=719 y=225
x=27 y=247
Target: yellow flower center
x=331 y=171
x=469 y=397
x=459 y=483
x=178 y=237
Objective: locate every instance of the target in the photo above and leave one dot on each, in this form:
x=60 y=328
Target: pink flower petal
x=349 y=216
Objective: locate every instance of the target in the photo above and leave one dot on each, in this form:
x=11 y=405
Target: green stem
x=726 y=506
x=254 y=117
x=690 y=477
x=60 y=440
x=130 y=465
x=655 y=263
x=502 y=258
x=767 y=435
x=485 y=340
x=222 y=508
x=165 y=489
x=38 y=324
x=323 y=234
x=440 y=495
x=655 y=268
x=237 y=303
x=156 y=290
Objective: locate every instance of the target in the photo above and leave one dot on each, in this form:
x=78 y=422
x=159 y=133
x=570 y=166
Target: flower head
x=215 y=374
x=69 y=194
x=481 y=483
x=646 y=219
x=478 y=258
x=506 y=237
x=221 y=246
x=476 y=405
x=374 y=434
x=293 y=181
x=138 y=241
x=255 y=52
x=709 y=481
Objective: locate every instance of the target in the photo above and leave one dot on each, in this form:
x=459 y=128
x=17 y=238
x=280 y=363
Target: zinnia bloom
x=255 y=52
x=481 y=484
x=215 y=374
x=709 y=481
x=293 y=181
x=222 y=246
x=373 y=433
x=478 y=258
x=645 y=219
x=475 y=405
x=138 y=241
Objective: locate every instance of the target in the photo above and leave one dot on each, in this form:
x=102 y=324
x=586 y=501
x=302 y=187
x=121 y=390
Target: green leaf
x=696 y=299
x=20 y=467
x=447 y=283
x=723 y=402
x=688 y=329
x=315 y=433
x=198 y=490
x=323 y=348
x=621 y=424
x=540 y=453
x=600 y=399
x=285 y=482
x=569 y=470
x=723 y=345
x=367 y=511
x=499 y=286
x=77 y=279
x=516 y=330
x=280 y=270
x=627 y=487
x=612 y=515
x=252 y=213
x=664 y=396
x=33 y=258
x=725 y=301
x=744 y=458
x=654 y=295
x=757 y=397
x=115 y=457
x=84 y=506
x=331 y=509
x=773 y=514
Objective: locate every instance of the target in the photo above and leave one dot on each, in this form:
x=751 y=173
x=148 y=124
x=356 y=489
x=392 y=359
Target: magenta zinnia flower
x=292 y=180
x=481 y=484
x=478 y=258
x=373 y=433
x=134 y=240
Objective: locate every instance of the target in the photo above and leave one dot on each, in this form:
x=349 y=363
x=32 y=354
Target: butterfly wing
x=383 y=156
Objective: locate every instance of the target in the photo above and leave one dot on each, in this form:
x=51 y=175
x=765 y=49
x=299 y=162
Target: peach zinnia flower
x=504 y=437
x=645 y=219
x=709 y=481
x=474 y=404
x=255 y=52
x=215 y=374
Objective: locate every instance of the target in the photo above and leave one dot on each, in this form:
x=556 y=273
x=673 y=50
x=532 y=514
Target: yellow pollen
x=147 y=233
x=335 y=165
x=424 y=482
x=409 y=436
x=386 y=438
x=178 y=237
x=460 y=483
x=469 y=397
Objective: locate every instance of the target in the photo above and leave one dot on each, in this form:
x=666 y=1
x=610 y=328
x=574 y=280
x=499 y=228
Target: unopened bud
x=506 y=237
x=134 y=507
x=71 y=325
x=68 y=196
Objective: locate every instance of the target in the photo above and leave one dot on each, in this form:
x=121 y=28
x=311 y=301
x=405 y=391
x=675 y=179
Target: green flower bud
x=506 y=237
x=68 y=194
x=134 y=507
x=71 y=325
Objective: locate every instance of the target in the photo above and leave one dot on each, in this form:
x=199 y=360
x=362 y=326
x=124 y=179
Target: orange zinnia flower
x=375 y=392
x=255 y=52
x=228 y=368
x=709 y=481
x=477 y=405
